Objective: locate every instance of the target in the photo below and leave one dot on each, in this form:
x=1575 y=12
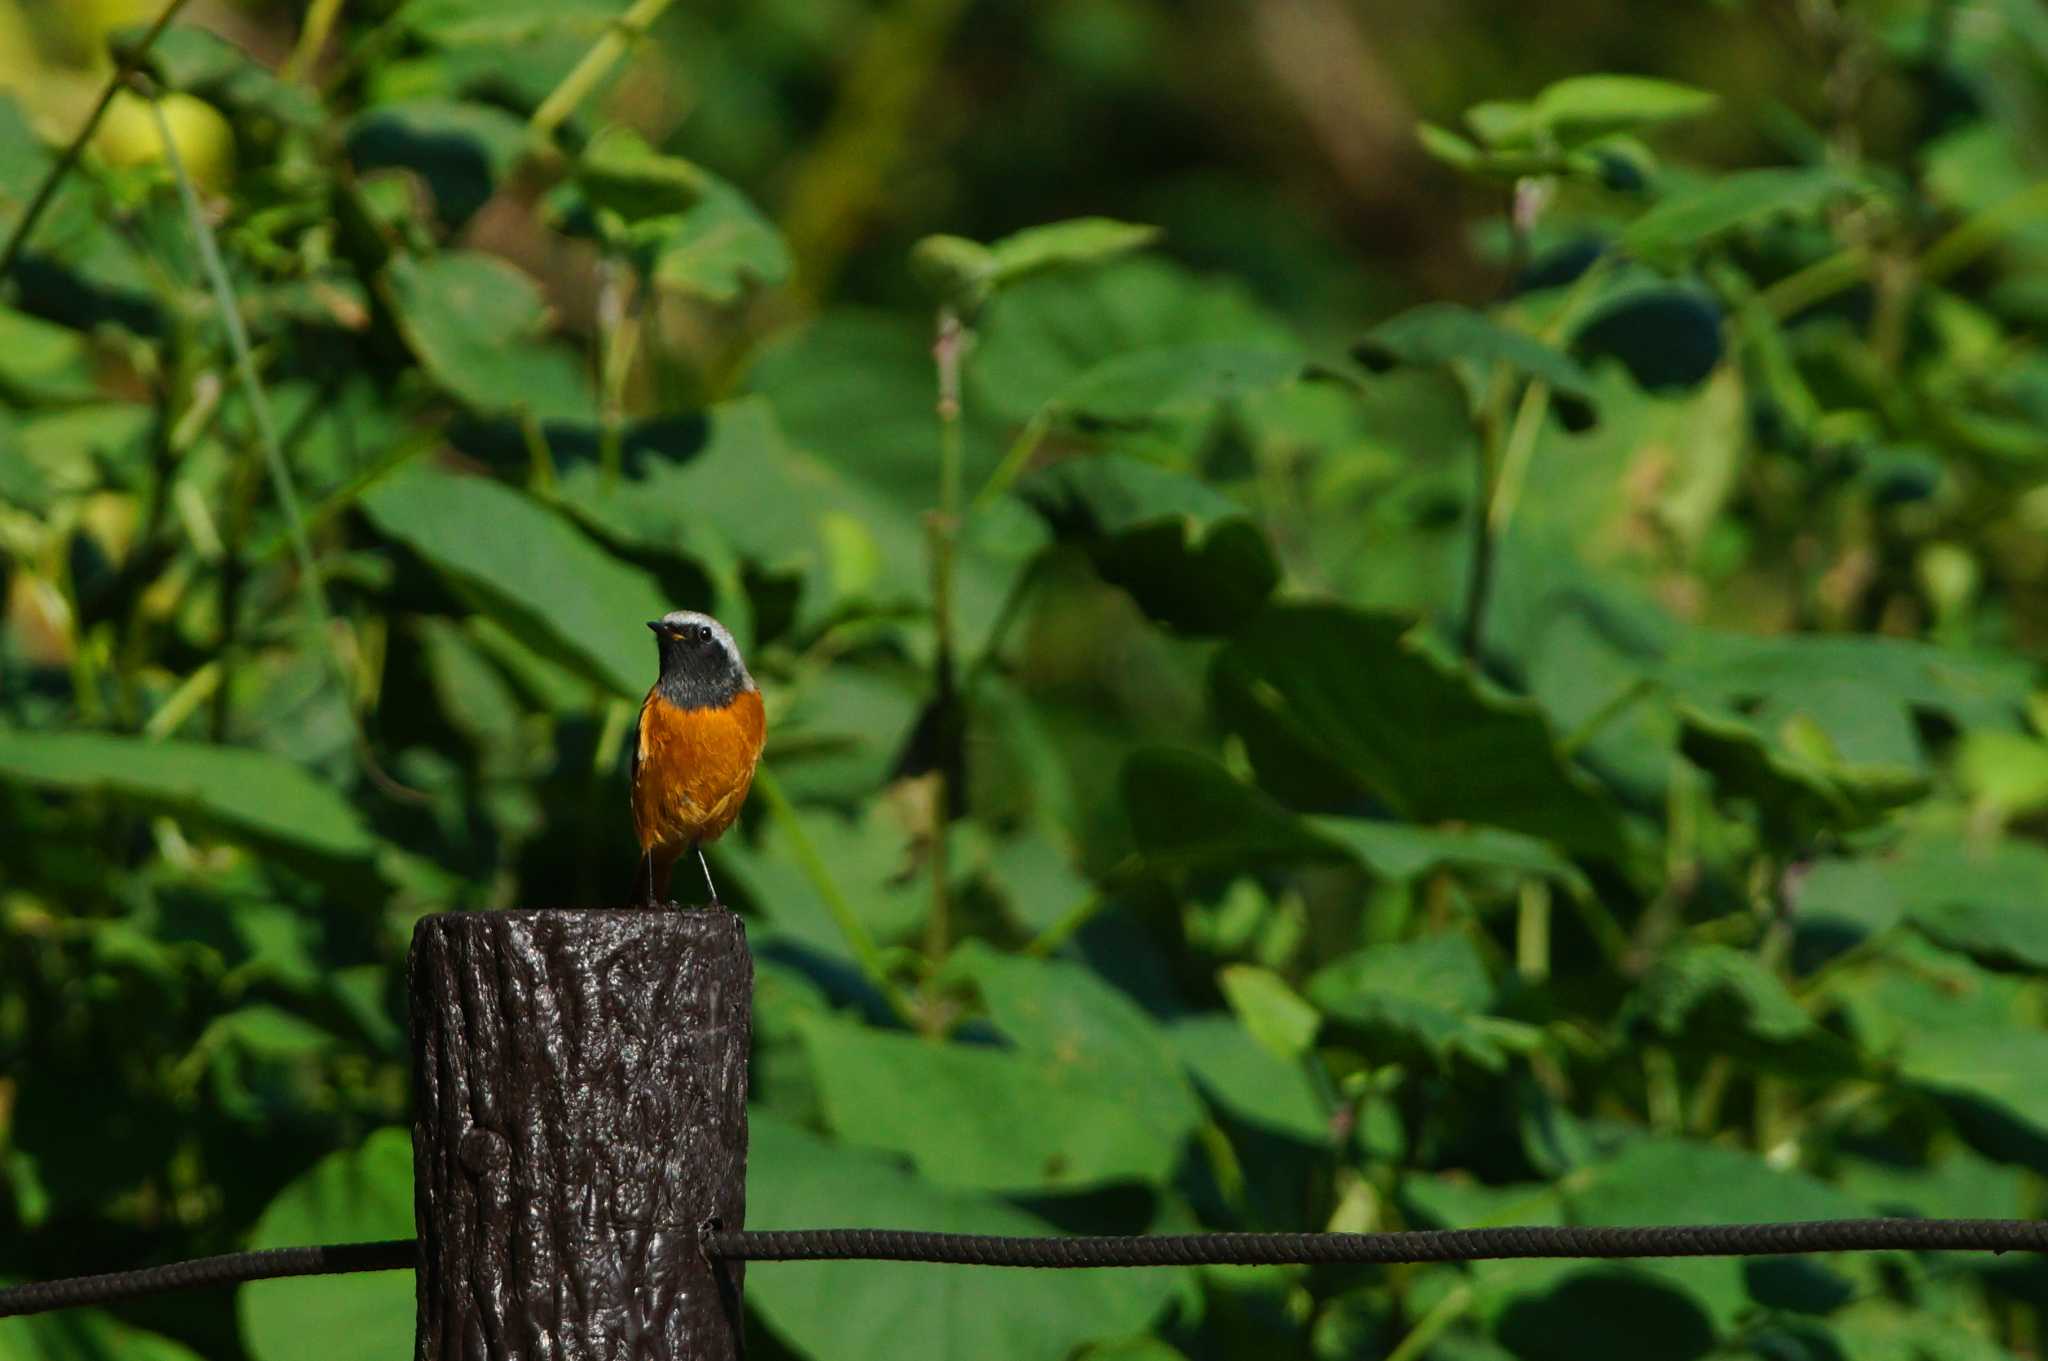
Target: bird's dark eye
x=701 y=632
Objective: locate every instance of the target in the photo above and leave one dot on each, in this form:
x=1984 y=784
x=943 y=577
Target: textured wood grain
x=580 y=1112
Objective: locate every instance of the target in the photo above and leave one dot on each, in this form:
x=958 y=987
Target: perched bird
x=701 y=729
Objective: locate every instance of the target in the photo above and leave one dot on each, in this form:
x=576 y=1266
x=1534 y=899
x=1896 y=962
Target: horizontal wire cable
x=1422 y=1245
x=227 y=1269
x=1142 y=1250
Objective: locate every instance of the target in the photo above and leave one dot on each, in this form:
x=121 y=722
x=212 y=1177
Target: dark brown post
x=579 y=1115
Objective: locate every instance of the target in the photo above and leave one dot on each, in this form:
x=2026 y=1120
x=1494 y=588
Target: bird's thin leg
x=705 y=865
x=647 y=864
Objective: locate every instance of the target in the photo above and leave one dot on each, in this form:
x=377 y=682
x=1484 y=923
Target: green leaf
x=1689 y=220
x=1426 y=991
x=964 y=274
x=884 y=1311
x=1800 y=790
x=42 y=363
x=1677 y=1181
x=1187 y=812
x=462 y=150
x=358 y=1195
x=1990 y=902
x=475 y=324
x=1041 y=336
x=1437 y=334
x=453 y=23
x=1091 y=1093
x=1718 y=1000
x=1188 y=555
x=252 y=793
x=720 y=247
x=1984 y=1070
x=1135 y=386
x=1248 y=1080
x=2007 y=771
x=1273 y=1013
x=1077 y=241
x=193 y=60
x=1334 y=703
x=530 y=569
x=1399 y=850
x=980 y=1117
x=620 y=173
x=1582 y=107
x=84 y=1335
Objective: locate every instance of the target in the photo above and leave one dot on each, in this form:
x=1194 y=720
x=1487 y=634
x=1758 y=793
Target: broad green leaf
x=462 y=150
x=1086 y=1030
x=1188 y=555
x=1990 y=1075
x=1444 y=333
x=1679 y=1181
x=42 y=362
x=530 y=569
x=720 y=247
x=1077 y=241
x=1718 y=1000
x=1186 y=811
x=884 y=1311
x=1426 y=991
x=1399 y=850
x=964 y=274
x=475 y=323
x=2007 y=771
x=84 y=1335
x=1142 y=383
x=252 y=793
x=358 y=1195
x=1990 y=902
x=620 y=173
x=1041 y=336
x=1333 y=703
x=1273 y=1013
x=1248 y=1080
x=865 y=855
x=458 y=22
x=195 y=61
x=1690 y=219
x=1799 y=786
x=980 y=1116
x=1581 y=107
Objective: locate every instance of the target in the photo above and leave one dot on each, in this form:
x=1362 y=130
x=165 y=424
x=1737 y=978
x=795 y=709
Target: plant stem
x=866 y=954
x=1532 y=931
x=1448 y=1310
x=948 y=349
x=1479 y=575
x=47 y=190
x=1015 y=457
x=313 y=35
x=575 y=87
x=310 y=590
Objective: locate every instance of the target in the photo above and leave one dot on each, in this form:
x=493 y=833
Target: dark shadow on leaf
x=1607 y=1315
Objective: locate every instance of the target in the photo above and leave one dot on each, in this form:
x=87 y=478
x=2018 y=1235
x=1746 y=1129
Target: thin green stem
x=310 y=590
x=596 y=63
x=1515 y=459
x=313 y=35
x=948 y=351
x=1817 y=282
x=1015 y=457
x=1446 y=1311
x=866 y=954
x=1620 y=703
x=47 y=190
x=1980 y=233
x=1532 y=931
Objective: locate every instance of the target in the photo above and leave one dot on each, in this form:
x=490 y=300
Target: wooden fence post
x=579 y=1115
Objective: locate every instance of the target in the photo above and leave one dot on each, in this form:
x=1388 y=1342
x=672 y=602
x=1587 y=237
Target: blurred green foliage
x=1366 y=624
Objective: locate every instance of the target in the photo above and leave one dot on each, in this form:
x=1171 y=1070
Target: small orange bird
x=701 y=729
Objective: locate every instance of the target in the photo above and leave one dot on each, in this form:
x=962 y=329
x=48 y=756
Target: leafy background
x=1443 y=638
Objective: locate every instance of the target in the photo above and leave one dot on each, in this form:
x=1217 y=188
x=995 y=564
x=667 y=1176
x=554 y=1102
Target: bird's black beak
x=656 y=625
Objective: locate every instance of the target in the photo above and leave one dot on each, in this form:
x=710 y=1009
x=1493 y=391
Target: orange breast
x=692 y=768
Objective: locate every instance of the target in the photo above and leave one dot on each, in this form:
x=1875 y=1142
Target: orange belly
x=692 y=770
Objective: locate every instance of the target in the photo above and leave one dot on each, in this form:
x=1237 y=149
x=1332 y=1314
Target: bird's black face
x=699 y=667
